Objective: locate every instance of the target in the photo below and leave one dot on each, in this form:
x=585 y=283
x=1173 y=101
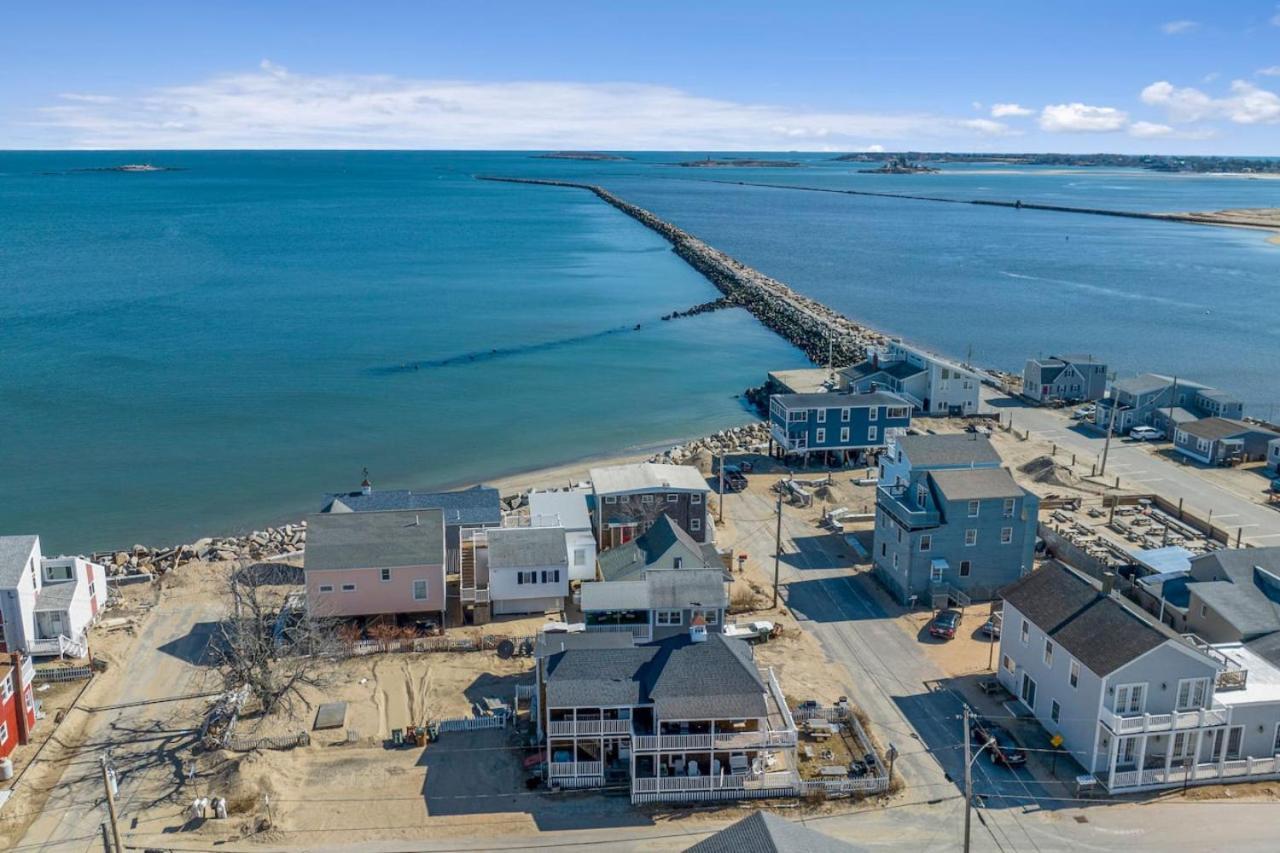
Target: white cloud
x=1275 y=20
x=987 y=127
x=1009 y=110
x=271 y=107
x=1082 y=118
x=1269 y=71
x=1147 y=129
x=1246 y=103
x=1177 y=28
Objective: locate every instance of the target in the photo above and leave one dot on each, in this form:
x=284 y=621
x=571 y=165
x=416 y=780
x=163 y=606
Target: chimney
x=365 y=486
x=1108 y=582
x=698 y=629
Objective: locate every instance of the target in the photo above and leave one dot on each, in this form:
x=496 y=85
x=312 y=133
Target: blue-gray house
x=951 y=523
x=847 y=424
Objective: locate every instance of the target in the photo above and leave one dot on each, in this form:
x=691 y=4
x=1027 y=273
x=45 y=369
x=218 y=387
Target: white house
x=521 y=569
x=47 y=603
x=569 y=509
x=934 y=385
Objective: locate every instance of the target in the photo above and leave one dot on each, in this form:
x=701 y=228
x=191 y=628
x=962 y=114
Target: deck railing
x=1125 y=724
x=660 y=784
x=575 y=768
x=1156 y=777
x=639 y=632
x=568 y=728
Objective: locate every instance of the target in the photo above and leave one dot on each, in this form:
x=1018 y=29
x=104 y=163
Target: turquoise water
x=199 y=351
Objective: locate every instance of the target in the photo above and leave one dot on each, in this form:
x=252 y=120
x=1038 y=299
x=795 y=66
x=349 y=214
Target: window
x=926 y=542
x=712 y=616
x=646 y=499
x=1073 y=675
x=922 y=495
x=965 y=567
x=797 y=417
x=873 y=413
x=1026 y=631
x=1028 y=692
x=844 y=435
x=1276 y=745
x=971 y=536
x=1192 y=693
x=1048 y=653
x=695 y=498
x=326 y=587
x=895 y=561
x=611 y=499
x=822 y=416
x=4 y=733
x=526 y=577
x=873 y=433
x=1006 y=535
x=973 y=508
x=897 y=412
x=92 y=584
x=846 y=415
x=6 y=688
x=57 y=573
x=1131 y=698
x=669 y=617
x=348 y=587
x=677 y=563
x=579 y=556
x=935 y=573
x=883 y=549
x=695 y=525
x=1008 y=507
x=821 y=436
x=1055 y=710
x=551 y=576
x=419 y=590
x=672 y=498
x=1234 y=738
x=1204 y=610
x=384 y=574
x=899 y=534
x=1008 y=664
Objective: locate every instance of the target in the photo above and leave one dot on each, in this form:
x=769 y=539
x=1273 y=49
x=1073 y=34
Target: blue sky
x=1084 y=76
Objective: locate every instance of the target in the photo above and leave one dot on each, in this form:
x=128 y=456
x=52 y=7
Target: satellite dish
x=506 y=649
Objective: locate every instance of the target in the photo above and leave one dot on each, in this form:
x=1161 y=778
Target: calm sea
x=200 y=351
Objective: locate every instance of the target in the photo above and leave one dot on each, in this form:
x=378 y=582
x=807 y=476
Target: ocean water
x=192 y=352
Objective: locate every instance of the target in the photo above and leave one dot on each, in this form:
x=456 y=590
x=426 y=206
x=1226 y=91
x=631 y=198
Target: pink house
x=363 y=564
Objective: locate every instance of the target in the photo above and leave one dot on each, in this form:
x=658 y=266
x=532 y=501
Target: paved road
x=1138 y=467
x=145 y=736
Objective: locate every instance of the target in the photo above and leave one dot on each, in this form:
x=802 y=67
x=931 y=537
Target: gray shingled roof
x=554 y=642
x=367 y=540
x=1236 y=564
x=570 y=507
x=840 y=400
x=1212 y=429
x=765 y=832
x=56 y=596
x=948 y=451
x=1245 y=607
x=14 y=551
x=629 y=561
x=475 y=506
x=1096 y=630
x=1143 y=384
x=670 y=589
x=965 y=484
x=527 y=547
x=615 y=595
x=680 y=678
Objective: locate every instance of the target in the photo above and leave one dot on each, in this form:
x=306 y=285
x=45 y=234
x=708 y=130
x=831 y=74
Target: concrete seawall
x=814 y=328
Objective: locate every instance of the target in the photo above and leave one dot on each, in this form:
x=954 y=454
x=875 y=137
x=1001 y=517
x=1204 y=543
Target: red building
x=17 y=704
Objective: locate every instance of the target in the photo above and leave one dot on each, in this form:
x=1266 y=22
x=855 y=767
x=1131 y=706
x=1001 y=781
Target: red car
x=945 y=624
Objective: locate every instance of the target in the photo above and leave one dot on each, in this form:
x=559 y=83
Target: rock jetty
x=258 y=545
x=818 y=331
x=733 y=440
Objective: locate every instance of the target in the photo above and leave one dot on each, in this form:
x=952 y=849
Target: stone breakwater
x=733 y=440
x=258 y=545
x=817 y=330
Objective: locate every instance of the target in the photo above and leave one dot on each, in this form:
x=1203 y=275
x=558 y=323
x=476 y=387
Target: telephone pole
x=1106 y=448
x=968 y=780
x=720 y=509
x=777 y=549
x=108 y=783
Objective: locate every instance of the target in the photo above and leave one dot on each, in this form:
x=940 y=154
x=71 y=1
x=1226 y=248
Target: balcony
x=894 y=500
x=1132 y=724
x=572 y=728
x=640 y=632
x=723 y=741
x=571 y=769
x=1161 y=777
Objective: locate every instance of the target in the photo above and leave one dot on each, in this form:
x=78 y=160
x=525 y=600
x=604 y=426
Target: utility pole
x=108 y=783
x=777 y=549
x=968 y=780
x=1111 y=428
x=720 y=509
x=1173 y=399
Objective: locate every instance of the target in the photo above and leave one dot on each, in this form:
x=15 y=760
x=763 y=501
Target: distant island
x=578 y=155
x=130 y=167
x=900 y=165
x=1153 y=162
x=740 y=162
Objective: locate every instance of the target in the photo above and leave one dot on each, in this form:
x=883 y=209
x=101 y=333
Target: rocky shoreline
x=818 y=331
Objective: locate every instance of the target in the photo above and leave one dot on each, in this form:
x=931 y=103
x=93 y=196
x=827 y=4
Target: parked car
x=991 y=628
x=734 y=481
x=1004 y=750
x=1084 y=413
x=1146 y=433
x=945 y=624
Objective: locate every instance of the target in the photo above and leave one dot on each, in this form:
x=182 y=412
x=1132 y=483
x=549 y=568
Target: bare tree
x=270 y=643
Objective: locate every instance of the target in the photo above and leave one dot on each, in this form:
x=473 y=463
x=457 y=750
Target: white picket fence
x=63 y=673
x=471 y=724
x=245 y=744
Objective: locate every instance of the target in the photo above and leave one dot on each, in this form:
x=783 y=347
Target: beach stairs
x=472 y=594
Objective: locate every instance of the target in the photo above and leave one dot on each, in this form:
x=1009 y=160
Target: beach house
x=664 y=546
x=376 y=564
x=571 y=511
x=516 y=569
x=934 y=385
x=951 y=524
x=1064 y=379
x=847 y=426
x=17 y=703
x=47 y=603
x=661 y=603
x=1137 y=705
x=1222 y=596
x=1163 y=402
x=462 y=509
x=627 y=499
x=688 y=717
x=1273 y=456
x=1218 y=441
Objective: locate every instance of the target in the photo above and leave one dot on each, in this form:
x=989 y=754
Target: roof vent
x=365 y=486
x=698 y=629
x=1108 y=582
